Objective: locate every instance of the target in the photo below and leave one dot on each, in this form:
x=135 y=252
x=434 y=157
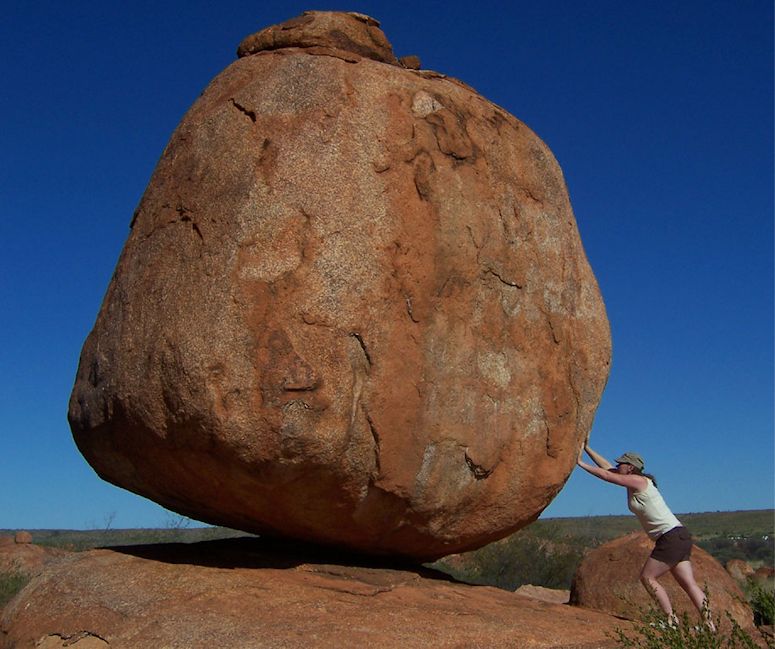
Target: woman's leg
x=684 y=575
x=653 y=569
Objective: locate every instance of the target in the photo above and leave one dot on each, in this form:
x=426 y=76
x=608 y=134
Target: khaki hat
x=631 y=458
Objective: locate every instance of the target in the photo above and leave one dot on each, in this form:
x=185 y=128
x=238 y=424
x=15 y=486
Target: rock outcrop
x=249 y=594
x=739 y=570
x=353 y=308
x=22 y=537
x=553 y=595
x=608 y=580
x=25 y=556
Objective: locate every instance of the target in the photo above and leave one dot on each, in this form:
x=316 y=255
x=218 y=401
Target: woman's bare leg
x=653 y=569
x=684 y=575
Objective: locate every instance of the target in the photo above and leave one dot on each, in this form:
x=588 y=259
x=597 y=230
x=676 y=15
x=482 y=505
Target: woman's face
x=624 y=468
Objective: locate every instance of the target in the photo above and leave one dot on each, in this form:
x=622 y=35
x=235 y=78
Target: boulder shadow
x=272 y=553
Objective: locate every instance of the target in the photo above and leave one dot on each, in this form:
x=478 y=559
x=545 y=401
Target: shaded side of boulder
x=608 y=580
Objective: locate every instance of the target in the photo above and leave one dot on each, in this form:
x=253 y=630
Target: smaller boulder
x=739 y=570
x=608 y=580
x=410 y=62
x=23 y=537
x=551 y=595
x=764 y=576
x=347 y=31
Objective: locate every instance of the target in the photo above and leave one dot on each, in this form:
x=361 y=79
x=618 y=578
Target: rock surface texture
x=26 y=557
x=353 y=308
x=553 y=595
x=244 y=594
x=607 y=580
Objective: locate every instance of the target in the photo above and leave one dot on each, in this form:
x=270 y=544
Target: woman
x=673 y=546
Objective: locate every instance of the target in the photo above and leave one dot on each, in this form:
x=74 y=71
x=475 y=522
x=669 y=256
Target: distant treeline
x=545 y=553
x=548 y=552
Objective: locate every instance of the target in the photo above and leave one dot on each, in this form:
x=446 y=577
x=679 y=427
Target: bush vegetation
x=523 y=558
x=752 y=549
x=11 y=582
x=548 y=552
x=762 y=600
x=653 y=632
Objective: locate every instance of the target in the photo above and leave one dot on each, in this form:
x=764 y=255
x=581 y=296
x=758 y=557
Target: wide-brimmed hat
x=631 y=458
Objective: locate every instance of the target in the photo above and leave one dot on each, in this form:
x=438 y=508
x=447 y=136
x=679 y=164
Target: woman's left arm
x=636 y=482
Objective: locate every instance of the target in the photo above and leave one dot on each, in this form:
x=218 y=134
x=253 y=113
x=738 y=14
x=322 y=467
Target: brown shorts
x=673 y=546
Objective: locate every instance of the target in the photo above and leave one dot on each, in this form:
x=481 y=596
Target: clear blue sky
x=660 y=114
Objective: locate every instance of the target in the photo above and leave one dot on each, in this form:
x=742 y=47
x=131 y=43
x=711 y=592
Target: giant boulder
x=353 y=308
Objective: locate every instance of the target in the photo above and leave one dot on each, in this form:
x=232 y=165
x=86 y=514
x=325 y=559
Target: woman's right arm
x=597 y=458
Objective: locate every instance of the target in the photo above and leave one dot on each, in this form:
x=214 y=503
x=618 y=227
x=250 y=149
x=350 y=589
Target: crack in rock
x=359 y=338
x=74 y=639
x=251 y=114
x=423 y=170
x=531 y=195
x=478 y=471
x=576 y=396
x=408 y=299
x=548 y=317
x=184 y=216
x=507 y=282
x=550 y=450
x=375 y=436
x=354 y=590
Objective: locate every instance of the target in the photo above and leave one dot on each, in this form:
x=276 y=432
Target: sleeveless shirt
x=652 y=511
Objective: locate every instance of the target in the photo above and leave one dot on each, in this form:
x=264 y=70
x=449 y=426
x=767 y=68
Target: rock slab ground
x=255 y=594
x=353 y=308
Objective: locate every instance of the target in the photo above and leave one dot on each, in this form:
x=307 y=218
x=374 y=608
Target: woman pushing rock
x=673 y=543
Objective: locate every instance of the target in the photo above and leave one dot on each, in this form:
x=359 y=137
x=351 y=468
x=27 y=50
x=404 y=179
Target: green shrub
x=517 y=560
x=653 y=632
x=11 y=582
x=762 y=600
x=752 y=549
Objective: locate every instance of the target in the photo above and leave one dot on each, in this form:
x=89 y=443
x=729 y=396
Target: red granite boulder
x=353 y=308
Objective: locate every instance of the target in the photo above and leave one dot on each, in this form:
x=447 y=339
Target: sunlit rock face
x=353 y=308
